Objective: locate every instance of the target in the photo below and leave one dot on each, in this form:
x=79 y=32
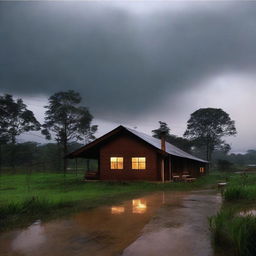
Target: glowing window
x=138 y=163
x=116 y=163
x=201 y=169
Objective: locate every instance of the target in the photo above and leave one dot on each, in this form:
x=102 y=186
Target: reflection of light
x=248 y=213
x=117 y=209
x=138 y=206
x=29 y=239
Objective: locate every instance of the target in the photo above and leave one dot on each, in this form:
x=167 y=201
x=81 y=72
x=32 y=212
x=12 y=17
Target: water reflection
x=136 y=206
x=251 y=212
x=29 y=239
x=117 y=209
x=139 y=206
x=103 y=231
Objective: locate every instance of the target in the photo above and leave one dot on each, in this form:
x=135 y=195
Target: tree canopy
x=177 y=141
x=207 y=127
x=15 y=119
x=67 y=119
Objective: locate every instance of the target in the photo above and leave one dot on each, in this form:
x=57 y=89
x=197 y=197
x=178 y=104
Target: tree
x=207 y=126
x=15 y=119
x=163 y=130
x=67 y=120
x=177 y=141
x=224 y=165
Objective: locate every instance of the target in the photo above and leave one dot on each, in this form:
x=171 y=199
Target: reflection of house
x=126 y=154
x=138 y=206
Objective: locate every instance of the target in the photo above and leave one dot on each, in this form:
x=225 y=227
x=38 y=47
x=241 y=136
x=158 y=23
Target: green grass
x=232 y=233
x=25 y=198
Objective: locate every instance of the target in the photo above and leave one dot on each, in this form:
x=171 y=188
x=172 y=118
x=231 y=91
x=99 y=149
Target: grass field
x=235 y=233
x=25 y=198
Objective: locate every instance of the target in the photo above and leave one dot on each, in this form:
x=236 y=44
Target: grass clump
x=235 y=193
x=238 y=192
x=234 y=233
x=29 y=209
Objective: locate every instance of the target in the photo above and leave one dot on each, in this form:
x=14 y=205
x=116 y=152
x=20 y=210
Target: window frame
x=138 y=162
x=116 y=162
x=202 y=170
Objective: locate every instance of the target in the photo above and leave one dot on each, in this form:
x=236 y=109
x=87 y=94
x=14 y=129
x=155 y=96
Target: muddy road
x=162 y=224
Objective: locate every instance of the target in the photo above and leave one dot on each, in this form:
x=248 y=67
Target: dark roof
x=156 y=143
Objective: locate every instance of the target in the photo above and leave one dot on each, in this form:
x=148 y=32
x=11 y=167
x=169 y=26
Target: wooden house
x=127 y=154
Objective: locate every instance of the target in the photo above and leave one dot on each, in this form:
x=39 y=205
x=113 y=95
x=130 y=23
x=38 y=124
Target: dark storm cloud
x=121 y=62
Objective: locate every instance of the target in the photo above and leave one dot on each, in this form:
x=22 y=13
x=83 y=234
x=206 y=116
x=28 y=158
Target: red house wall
x=127 y=146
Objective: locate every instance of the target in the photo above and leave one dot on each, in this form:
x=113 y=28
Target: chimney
x=163 y=147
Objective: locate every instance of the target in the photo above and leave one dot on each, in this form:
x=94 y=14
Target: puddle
x=142 y=226
x=100 y=231
x=251 y=212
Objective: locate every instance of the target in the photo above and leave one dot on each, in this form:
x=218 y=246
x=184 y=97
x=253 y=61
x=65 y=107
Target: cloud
x=131 y=62
x=122 y=62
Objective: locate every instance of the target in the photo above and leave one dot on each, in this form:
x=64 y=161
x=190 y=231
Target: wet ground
x=163 y=223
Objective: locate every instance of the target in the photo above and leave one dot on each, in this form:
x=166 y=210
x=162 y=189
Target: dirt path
x=163 y=223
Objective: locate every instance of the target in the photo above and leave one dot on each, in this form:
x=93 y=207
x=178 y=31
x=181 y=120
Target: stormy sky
x=135 y=63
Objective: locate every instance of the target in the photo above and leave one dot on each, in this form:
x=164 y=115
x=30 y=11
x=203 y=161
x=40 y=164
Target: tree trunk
x=65 y=161
x=0 y=158
x=207 y=151
x=13 y=153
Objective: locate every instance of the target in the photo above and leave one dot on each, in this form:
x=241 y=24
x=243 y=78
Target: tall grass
x=230 y=231
x=29 y=209
x=238 y=192
x=234 y=232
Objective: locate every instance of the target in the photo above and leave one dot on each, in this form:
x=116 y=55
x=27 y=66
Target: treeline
x=66 y=121
x=38 y=157
x=224 y=161
x=69 y=123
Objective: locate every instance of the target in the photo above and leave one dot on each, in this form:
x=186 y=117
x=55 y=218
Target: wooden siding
x=128 y=146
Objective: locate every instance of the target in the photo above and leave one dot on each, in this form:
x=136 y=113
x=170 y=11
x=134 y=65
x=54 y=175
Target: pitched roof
x=171 y=149
x=156 y=143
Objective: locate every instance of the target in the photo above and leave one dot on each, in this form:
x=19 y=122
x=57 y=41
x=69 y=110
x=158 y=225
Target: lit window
x=116 y=163
x=138 y=163
x=201 y=169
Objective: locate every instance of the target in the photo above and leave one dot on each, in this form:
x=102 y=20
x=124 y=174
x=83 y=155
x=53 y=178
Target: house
x=126 y=154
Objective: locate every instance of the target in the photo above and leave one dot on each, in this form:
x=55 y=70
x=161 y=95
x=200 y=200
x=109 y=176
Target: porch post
x=162 y=169
x=170 y=168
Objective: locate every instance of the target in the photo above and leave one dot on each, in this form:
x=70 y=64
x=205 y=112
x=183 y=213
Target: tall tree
x=68 y=120
x=177 y=141
x=15 y=119
x=163 y=130
x=207 y=127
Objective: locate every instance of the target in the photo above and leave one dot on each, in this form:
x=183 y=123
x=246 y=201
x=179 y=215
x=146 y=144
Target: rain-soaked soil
x=162 y=224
